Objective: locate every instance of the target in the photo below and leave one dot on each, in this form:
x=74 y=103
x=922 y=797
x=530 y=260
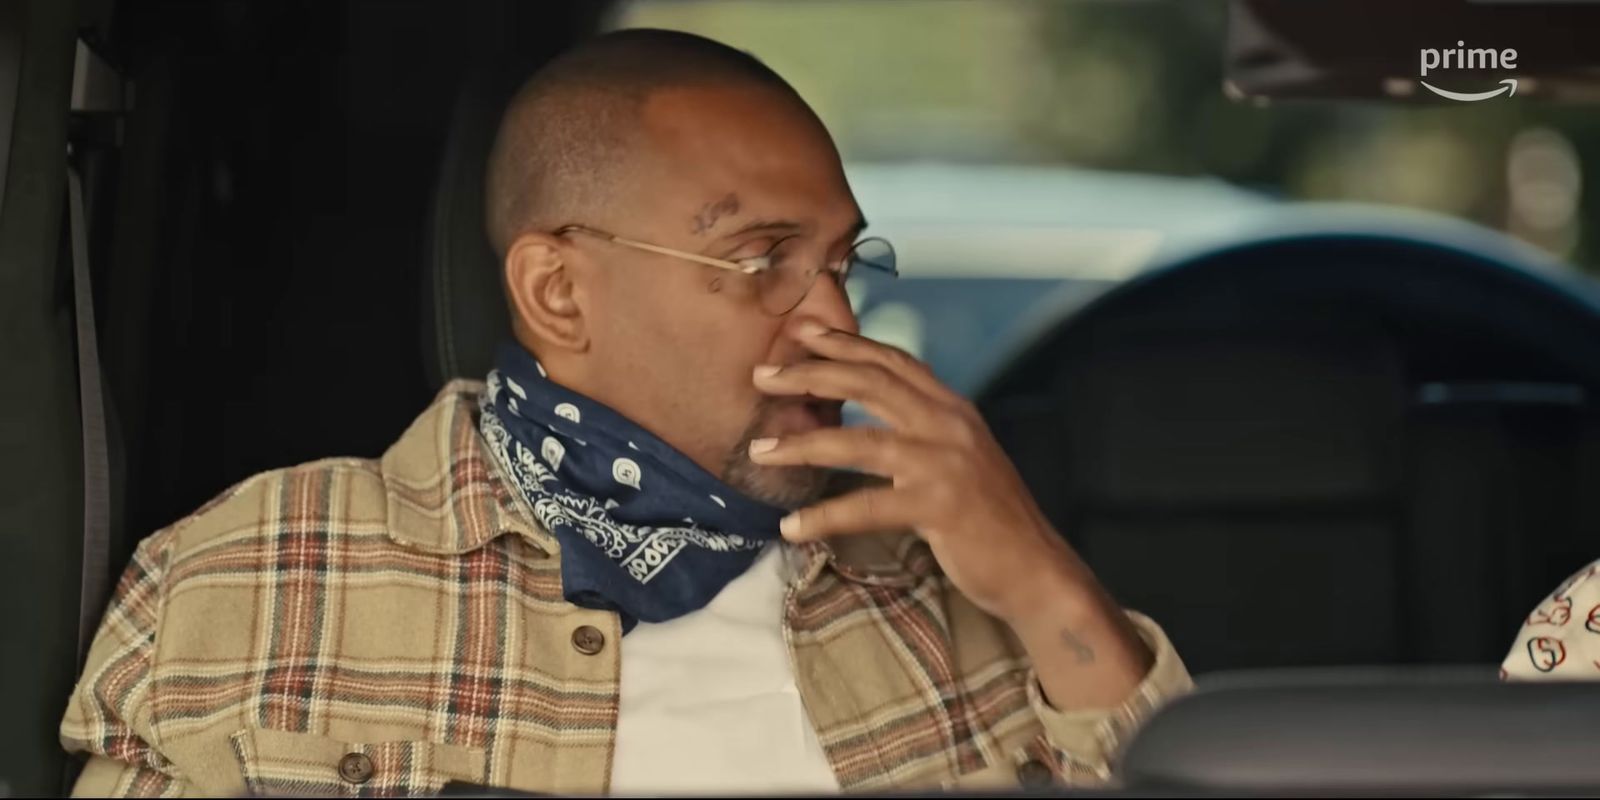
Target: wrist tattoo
x=1081 y=649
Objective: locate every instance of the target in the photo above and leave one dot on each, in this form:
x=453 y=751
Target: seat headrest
x=1274 y=413
x=464 y=310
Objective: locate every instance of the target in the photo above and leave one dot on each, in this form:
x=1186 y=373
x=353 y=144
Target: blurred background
x=1139 y=86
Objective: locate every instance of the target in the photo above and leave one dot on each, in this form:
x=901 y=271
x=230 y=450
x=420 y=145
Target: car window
x=1138 y=88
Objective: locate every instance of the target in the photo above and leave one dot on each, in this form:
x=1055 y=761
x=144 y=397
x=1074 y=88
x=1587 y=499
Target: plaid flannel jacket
x=360 y=627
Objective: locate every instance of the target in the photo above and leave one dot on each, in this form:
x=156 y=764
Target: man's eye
x=748 y=257
x=755 y=264
x=767 y=258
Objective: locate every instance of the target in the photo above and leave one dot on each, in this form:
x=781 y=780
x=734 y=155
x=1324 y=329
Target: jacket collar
x=888 y=558
x=446 y=495
x=897 y=558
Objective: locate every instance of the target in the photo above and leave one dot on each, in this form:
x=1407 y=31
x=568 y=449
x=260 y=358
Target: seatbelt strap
x=96 y=457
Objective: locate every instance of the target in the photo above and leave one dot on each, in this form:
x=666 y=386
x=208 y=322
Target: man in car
x=643 y=556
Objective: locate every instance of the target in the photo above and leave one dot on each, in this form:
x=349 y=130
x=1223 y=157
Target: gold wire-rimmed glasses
x=781 y=284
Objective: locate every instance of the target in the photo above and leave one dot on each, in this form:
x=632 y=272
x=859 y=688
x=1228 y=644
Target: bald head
x=692 y=148
x=572 y=133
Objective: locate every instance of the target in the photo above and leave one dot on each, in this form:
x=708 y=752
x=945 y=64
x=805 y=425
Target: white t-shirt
x=708 y=700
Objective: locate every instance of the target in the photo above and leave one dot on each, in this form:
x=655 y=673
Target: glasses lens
x=873 y=254
x=870 y=262
x=871 y=268
x=784 y=285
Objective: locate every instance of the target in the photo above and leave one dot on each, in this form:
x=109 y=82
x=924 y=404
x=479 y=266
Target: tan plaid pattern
x=409 y=611
x=287 y=764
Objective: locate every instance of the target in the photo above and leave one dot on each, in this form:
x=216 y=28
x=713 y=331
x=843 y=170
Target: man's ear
x=543 y=293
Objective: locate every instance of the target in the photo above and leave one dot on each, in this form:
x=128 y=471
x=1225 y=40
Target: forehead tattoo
x=708 y=216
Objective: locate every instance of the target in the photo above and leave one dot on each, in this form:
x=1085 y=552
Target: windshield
x=1140 y=87
x=1026 y=155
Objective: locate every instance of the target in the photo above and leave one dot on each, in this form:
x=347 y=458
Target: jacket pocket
x=284 y=763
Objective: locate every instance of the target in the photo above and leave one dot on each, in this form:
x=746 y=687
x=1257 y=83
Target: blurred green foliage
x=1137 y=86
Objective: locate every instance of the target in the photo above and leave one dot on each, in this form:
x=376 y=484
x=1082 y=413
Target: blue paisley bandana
x=643 y=530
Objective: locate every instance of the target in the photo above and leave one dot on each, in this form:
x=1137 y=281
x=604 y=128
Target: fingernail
x=762 y=445
x=790 y=525
x=767 y=370
x=811 y=328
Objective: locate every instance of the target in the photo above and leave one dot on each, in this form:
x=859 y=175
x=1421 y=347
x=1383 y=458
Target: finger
x=875 y=450
x=865 y=511
x=883 y=394
x=845 y=346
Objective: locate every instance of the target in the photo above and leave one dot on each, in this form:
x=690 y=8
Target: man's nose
x=828 y=304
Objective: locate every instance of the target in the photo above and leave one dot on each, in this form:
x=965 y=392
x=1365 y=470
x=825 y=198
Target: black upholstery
x=464 y=313
x=1380 y=733
x=41 y=479
x=1208 y=448
x=256 y=227
x=1297 y=412
x=1306 y=452
x=1234 y=482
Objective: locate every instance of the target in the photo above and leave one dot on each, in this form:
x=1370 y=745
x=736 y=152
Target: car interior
x=271 y=250
x=1346 y=427
x=1458 y=739
x=258 y=230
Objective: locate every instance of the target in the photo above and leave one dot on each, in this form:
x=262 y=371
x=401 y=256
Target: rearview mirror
x=1419 y=50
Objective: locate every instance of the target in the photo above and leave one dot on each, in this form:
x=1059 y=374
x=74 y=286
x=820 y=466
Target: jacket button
x=355 y=768
x=1034 y=773
x=587 y=639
